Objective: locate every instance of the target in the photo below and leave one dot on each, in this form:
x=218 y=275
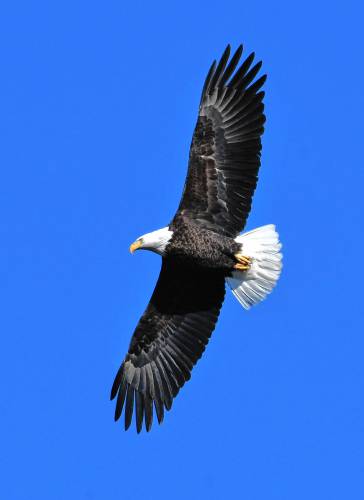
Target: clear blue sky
x=98 y=104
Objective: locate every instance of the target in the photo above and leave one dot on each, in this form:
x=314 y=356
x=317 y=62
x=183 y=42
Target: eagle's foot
x=243 y=263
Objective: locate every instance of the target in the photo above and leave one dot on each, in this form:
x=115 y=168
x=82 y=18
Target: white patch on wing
x=263 y=246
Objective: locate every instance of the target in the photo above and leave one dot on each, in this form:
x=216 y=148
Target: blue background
x=98 y=104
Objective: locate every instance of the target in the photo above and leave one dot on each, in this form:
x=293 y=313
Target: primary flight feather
x=201 y=248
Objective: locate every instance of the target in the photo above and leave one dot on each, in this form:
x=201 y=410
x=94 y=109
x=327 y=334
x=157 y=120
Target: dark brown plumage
x=225 y=150
x=222 y=175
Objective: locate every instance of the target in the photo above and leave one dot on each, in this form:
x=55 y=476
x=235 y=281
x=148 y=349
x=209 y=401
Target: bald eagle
x=201 y=247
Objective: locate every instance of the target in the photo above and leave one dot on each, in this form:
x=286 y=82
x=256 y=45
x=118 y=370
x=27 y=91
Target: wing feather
x=231 y=66
x=129 y=406
x=139 y=404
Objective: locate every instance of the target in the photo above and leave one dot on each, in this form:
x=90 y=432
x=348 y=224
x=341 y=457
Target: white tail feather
x=263 y=246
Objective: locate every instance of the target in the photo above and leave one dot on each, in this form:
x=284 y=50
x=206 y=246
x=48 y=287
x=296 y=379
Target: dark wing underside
x=225 y=151
x=169 y=339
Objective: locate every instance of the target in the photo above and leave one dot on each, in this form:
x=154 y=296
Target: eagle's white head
x=156 y=241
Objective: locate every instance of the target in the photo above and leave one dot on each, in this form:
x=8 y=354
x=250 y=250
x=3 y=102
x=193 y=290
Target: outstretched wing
x=225 y=151
x=169 y=339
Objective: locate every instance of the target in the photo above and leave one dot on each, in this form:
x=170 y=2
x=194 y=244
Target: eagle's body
x=192 y=245
x=201 y=248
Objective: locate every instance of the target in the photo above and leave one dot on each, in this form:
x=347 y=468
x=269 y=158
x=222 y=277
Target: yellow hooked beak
x=137 y=244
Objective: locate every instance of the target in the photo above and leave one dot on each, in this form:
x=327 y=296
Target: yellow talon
x=242 y=267
x=243 y=259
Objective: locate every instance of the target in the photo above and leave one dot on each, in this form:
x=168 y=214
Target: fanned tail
x=262 y=245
